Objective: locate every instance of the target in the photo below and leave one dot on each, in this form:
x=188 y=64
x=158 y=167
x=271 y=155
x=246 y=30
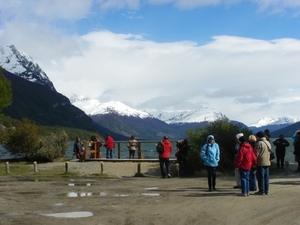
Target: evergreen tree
x=5 y=91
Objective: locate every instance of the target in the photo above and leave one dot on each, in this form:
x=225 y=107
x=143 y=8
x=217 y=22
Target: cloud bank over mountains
x=245 y=78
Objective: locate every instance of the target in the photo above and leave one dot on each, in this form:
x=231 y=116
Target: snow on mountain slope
x=22 y=65
x=94 y=107
x=275 y=121
x=188 y=116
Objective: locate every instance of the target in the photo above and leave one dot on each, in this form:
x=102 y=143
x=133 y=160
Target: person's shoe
x=259 y=193
x=242 y=195
x=209 y=189
x=169 y=175
x=267 y=193
x=237 y=187
x=214 y=188
x=248 y=194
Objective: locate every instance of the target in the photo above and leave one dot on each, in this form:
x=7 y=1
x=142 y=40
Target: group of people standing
x=78 y=147
x=252 y=160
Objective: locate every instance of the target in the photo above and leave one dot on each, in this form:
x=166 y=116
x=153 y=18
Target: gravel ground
x=117 y=169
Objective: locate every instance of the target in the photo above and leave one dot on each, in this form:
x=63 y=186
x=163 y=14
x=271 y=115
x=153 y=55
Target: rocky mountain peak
x=19 y=63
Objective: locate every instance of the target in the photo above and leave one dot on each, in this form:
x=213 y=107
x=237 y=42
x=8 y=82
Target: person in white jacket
x=236 y=149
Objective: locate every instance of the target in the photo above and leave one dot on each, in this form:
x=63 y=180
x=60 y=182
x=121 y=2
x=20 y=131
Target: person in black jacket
x=297 y=149
x=182 y=153
x=280 y=144
x=78 y=148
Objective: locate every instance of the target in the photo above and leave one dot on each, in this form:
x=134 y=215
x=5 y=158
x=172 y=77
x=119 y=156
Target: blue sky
x=239 y=57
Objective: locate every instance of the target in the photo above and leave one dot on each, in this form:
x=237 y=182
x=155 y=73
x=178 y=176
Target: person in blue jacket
x=210 y=153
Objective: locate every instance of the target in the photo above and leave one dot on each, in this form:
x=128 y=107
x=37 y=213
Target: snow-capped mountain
x=22 y=65
x=275 y=121
x=94 y=107
x=188 y=116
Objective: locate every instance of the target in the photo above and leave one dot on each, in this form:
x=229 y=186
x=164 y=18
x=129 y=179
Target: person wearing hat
x=244 y=162
x=210 y=154
x=236 y=172
x=262 y=150
x=164 y=158
x=267 y=134
x=281 y=143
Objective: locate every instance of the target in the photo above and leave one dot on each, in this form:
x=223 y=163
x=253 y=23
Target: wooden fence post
x=7 y=167
x=35 y=167
x=66 y=166
x=101 y=167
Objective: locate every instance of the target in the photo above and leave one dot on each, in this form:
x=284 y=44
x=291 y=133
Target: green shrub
x=53 y=146
x=24 y=140
x=224 y=132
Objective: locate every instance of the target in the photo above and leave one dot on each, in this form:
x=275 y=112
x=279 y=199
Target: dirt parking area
x=145 y=200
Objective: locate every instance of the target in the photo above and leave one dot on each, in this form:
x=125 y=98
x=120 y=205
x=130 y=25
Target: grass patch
x=26 y=171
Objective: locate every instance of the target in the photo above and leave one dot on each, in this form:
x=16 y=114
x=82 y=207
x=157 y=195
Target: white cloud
x=244 y=78
x=118 y=4
x=46 y=9
x=230 y=74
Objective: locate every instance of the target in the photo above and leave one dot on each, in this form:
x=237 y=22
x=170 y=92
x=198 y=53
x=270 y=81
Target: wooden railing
x=93 y=148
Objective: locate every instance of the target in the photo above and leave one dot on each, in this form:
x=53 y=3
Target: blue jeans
x=245 y=176
x=252 y=181
x=263 y=179
x=109 y=153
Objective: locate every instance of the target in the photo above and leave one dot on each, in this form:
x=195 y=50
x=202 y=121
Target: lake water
x=148 y=151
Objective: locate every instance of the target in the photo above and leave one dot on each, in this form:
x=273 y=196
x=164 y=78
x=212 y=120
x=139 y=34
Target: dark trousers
x=164 y=162
x=280 y=159
x=211 y=176
x=131 y=154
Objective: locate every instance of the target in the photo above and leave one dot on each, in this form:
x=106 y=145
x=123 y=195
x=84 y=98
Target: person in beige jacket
x=131 y=145
x=262 y=151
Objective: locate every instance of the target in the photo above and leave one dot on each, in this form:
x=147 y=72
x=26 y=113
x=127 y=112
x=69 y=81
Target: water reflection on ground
x=69 y=214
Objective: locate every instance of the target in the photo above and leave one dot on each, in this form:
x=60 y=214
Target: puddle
x=152 y=188
x=84 y=194
x=150 y=194
x=58 y=204
x=69 y=214
x=121 y=195
x=79 y=184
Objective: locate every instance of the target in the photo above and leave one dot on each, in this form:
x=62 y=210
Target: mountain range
x=35 y=97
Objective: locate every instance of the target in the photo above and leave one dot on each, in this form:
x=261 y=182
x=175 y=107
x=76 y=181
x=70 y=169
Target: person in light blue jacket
x=210 y=153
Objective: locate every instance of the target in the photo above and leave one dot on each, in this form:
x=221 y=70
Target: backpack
x=159 y=148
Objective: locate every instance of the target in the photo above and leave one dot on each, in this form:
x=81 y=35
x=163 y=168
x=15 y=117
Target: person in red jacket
x=245 y=159
x=164 y=157
x=110 y=145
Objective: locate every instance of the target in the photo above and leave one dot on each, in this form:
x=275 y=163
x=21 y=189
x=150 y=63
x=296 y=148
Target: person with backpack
x=210 y=154
x=164 y=156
